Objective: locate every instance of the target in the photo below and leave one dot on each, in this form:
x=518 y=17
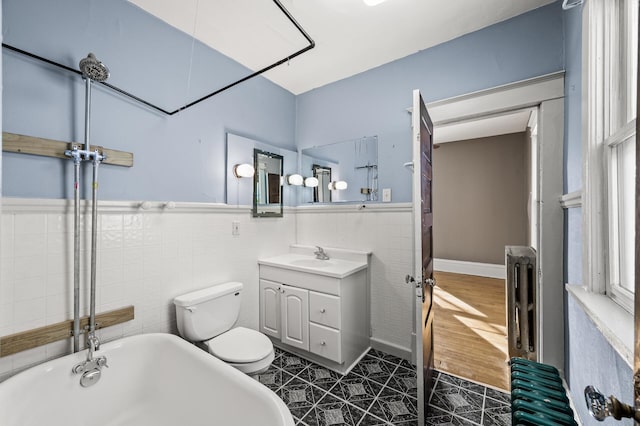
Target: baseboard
x=470 y=268
x=390 y=348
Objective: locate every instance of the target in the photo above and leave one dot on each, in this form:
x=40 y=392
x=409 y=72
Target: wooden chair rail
x=29 y=339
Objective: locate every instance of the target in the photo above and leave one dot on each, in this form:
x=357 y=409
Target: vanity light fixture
x=337 y=185
x=295 y=179
x=311 y=182
x=243 y=170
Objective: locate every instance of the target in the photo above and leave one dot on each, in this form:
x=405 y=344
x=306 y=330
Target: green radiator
x=537 y=395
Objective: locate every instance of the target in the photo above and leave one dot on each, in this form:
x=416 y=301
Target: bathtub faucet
x=91 y=369
x=320 y=254
x=93 y=343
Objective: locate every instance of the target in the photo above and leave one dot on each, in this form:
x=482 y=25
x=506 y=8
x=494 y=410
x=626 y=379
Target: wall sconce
x=243 y=170
x=337 y=185
x=311 y=182
x=295 y=179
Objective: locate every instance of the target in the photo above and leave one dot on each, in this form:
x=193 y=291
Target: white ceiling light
x=373 y=2
x=568 y=4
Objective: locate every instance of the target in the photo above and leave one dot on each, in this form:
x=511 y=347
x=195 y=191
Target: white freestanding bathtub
x=152 y=379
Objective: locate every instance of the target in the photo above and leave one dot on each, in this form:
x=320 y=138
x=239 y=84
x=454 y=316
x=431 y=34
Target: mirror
x=321 y=193
x=240 y=191
x=267 y=184
x=148 y=45
x=353 y=161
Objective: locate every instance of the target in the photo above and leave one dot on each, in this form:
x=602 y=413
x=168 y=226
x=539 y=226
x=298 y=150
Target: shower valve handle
x=102 y=362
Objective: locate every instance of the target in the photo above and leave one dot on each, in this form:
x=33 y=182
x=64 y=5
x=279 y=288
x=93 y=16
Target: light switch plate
x=386 y=195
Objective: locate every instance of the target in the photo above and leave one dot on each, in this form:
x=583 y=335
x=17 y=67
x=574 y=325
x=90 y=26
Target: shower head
x=93 y=69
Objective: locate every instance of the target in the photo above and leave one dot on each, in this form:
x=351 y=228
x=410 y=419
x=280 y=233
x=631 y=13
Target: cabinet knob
x=323 y=343
x=323 y=310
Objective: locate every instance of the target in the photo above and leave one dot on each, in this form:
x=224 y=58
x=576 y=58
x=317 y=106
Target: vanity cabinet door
x=270 y=308
x=295 y=317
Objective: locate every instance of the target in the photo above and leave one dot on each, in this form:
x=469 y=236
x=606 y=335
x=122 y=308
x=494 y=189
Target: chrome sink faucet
x=320 y=254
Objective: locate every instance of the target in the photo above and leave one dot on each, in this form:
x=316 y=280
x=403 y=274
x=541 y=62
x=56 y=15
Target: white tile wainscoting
x=385 y=230
x=145 y=258
x=148 y=256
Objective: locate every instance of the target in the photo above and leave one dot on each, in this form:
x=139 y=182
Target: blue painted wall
x=590 y=359
x=179 y=158
x=375 y=102
x=594 y=362
x=182 y=158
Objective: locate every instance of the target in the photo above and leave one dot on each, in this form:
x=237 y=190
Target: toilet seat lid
x=240 y=345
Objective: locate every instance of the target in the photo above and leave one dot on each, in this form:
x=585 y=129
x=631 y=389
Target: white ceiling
x=350 y=36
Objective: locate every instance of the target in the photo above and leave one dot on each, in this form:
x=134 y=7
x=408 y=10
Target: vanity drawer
x=324 y=309
x=325 y=341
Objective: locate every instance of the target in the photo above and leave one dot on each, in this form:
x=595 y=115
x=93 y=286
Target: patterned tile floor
x=380 y=390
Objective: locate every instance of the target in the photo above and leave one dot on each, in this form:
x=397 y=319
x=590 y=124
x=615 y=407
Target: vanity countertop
x=333 y=267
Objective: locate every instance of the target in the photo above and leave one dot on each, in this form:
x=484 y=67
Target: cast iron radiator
x=521 y=291
x=538 y=397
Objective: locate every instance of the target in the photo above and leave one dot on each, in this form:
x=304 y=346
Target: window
x=611 y=67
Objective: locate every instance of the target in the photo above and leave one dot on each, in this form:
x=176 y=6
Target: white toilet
x=208 y=315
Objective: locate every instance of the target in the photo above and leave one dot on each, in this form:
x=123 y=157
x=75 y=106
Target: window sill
x=615 y=323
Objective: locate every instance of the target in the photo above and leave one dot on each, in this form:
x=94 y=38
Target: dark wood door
x=636 y=366
x=423 y=231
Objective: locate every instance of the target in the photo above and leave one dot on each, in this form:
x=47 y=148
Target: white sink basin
x=334 y=267
x=312 y=263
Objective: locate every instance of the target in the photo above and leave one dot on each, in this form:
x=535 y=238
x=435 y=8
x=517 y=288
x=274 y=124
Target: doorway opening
x=485 y=174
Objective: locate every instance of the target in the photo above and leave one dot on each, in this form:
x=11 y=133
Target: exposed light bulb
x=311 y=182
x=337 y=185
x=295 y=179
x=243 y=170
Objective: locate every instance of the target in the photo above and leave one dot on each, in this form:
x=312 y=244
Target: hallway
x=470 y=328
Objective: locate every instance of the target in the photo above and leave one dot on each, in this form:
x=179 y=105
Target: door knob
x=601 y=407
x=430 y=281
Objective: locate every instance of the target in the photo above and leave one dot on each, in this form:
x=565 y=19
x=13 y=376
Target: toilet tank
x=203 y=314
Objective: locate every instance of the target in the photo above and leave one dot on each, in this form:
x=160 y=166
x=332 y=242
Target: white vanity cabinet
x=294 y=310
x=322 y=315
x=270 y=294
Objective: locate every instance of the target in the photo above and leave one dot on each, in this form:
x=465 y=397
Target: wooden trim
x=508 y=97
x=488 y=270
x=12 y=142
x=29 y=339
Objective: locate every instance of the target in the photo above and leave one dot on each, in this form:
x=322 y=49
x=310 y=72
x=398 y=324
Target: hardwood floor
x=470 y=333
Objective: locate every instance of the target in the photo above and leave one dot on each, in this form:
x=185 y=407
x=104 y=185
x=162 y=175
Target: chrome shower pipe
x=97 y=158
x=87 y=116
x=76 y=249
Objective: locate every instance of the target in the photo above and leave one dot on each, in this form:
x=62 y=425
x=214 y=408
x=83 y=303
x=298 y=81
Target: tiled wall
x=147 y=257
x=386 y=231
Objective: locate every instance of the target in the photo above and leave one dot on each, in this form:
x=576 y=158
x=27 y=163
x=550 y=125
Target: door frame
x=545 y=92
